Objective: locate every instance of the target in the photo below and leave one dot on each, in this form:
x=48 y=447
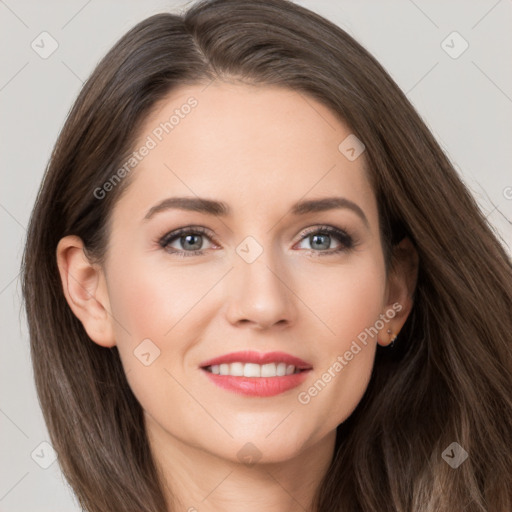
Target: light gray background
x=467 y=103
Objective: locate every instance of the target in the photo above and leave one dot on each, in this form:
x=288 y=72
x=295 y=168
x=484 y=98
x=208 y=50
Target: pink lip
x=258 y=386
x=249 y=356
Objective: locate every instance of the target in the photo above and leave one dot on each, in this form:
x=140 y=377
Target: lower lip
x=258 y=386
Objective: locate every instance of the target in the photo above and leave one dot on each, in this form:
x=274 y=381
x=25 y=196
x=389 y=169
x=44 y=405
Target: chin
x=267 y=449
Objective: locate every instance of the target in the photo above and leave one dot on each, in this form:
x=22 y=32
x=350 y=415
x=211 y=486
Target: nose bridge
x=259 y=285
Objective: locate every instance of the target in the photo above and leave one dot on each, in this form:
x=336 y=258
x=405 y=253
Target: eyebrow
x=219 y=208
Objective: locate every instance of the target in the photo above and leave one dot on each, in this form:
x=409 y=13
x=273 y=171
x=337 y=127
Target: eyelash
x=346 y=241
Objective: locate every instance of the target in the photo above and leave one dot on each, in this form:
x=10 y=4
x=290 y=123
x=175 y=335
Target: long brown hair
x=449 y=377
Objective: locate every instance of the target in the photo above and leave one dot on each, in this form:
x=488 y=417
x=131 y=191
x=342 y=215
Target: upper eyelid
x=204 y=230
x=169 y=235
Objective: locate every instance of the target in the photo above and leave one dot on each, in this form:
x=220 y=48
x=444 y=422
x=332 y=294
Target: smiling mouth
x=255 y=374
x=253 y=370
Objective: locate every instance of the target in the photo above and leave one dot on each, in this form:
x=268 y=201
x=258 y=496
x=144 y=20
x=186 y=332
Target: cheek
x=150 y=310
x=349 y=303
x=149 y=298
x=158 y=311
x=345 y=299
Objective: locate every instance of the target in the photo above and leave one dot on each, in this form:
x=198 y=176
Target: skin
x=258 y=149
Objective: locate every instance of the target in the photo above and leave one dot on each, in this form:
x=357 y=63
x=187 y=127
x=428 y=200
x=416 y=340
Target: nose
x=259 y=294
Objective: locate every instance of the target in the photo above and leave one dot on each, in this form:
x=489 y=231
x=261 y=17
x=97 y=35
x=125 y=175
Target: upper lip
x=249 y=356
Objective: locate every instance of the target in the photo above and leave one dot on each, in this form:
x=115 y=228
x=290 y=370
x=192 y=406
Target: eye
x=320 y=239
x=189 y=241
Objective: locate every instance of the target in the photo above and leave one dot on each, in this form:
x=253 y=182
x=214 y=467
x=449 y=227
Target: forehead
x=257 y=148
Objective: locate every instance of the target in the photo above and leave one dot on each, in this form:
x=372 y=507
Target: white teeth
x=268 y=370
x=253 y=369
x=281 y=369
x=237 y=369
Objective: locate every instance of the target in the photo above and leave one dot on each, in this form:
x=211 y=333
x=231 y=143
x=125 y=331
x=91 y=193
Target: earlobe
x=401 y=285
x=85 y=290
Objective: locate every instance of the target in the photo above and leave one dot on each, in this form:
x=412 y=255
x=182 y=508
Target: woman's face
x=263 y=275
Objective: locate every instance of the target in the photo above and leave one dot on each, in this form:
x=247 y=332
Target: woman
x=253 y=279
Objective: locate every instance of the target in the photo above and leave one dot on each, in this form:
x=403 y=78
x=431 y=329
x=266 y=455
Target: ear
x=400 y=287
x=85 y=290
